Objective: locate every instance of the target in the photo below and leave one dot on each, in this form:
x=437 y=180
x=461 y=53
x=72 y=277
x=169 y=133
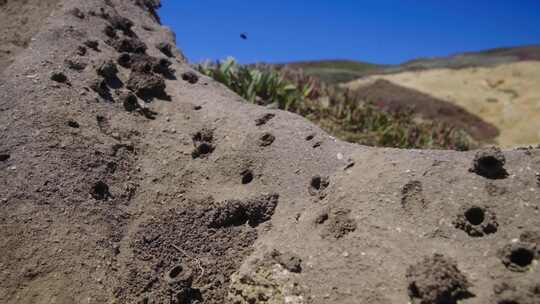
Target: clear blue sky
x=380 y=31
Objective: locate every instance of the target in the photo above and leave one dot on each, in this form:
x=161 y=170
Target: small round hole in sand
x=59 y=77
x=475 y=215
x=175 y=271
x=489 y=162
x=247 y=177
x=73 y=124
x=522 y=257
x=316 y=182
x=100 y=191
x=205 y=148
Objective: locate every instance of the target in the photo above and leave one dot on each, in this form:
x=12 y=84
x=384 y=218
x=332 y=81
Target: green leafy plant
x=336 y=110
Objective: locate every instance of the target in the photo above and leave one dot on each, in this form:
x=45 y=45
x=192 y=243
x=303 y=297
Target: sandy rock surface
x=129 y=178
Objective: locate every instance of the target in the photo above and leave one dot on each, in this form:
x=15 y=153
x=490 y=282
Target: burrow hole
x=489 y=163
x=73 y=124
x=204 y=148
x=4 y=157
x=318 y=183
x=247 y=177
x=100 y=191
x=175 y=271
x=522 y=257
x=475 y=215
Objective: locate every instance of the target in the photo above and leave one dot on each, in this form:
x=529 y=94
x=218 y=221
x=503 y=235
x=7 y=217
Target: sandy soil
x=127 y=177
x=507 y=96
x=19 y=21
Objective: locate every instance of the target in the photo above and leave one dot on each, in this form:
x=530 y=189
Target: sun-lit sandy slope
x=507 y=95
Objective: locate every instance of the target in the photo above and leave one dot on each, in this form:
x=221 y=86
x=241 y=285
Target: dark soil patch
x=190 y=77
x=91 y=44
x=81 y=50
x=122 y=24
x=237 y=213
x=288 y=260
x=99 y=85
x=4 y=157
x=59 y=77
x=318 y=184
x=489 y=163
x=166 y=48
x=203 y=142
x=129 y=101
x=77 y=13
x=76 y=63
x=264 y=119
x=266 y=139
x=162 y=66
x=337 y=223
x=128 y=45
x=147 y=86
x=108 y=70
x=110 y=32
x=147 y=64
x=73 y=124
x=412 y=196
x=510 y=292
x=184 y=252
x=477 y=221
x=438 y=280
x=395 y=98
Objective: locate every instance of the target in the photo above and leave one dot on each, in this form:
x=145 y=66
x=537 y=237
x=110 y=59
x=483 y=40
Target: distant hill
x=335 y=71
x=340 y=71
x=500 y=86
x=490 y=57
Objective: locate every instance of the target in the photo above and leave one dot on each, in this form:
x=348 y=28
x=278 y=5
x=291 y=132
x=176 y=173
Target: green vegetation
x=336 y=110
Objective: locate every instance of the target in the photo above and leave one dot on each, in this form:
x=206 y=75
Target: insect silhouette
x=244 y=36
